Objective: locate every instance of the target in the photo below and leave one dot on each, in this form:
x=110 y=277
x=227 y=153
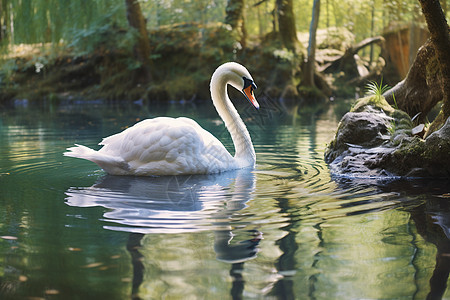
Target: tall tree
x=428 y=79
x=286 y=25
x=439 y=31
x=3 y=19
x=235 y=18
x=142 y=47
x=311 y=60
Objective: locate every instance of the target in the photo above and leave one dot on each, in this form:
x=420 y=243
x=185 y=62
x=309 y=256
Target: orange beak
x=248 y=92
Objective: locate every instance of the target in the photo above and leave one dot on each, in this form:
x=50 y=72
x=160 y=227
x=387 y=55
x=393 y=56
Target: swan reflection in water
x=176 y=204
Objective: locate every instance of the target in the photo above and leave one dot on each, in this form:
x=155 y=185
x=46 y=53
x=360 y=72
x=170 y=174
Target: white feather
x=168 y=146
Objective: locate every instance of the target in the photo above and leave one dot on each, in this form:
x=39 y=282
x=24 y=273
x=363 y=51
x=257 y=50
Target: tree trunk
x=286 y=25
x=2 y=17
x=421 y=90
x=311 y=62
x=428 y=80
x=142 y=47
x=372 y=26
x=234 y=17
x=438 y=27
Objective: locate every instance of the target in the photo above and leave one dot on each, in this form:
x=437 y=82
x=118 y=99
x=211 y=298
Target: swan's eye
x=249 y=83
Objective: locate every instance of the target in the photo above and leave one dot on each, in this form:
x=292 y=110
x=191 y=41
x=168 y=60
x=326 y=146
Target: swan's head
x=238 y=77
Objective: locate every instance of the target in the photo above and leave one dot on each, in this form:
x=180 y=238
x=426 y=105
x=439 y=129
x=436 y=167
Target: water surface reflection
x=71 y=229
x=177 y=204
x=167 y=204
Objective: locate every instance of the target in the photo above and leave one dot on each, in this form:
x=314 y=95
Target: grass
x=395 y=102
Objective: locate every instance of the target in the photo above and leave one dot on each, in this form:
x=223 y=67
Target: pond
x=285 y=230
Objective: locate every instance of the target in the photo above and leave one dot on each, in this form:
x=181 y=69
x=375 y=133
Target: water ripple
x=291 y=183
x=168 y=203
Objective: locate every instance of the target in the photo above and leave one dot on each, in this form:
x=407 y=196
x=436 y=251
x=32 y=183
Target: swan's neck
x=244 y=152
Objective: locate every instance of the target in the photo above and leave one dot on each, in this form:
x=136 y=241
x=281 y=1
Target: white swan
x=168 y=146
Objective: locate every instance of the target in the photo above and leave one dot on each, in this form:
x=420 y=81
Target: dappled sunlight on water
x=286 y=229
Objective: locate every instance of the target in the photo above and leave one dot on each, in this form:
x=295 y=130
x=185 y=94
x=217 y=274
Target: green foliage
x=7 y=69
x=185 y=55
x=44 y=21
x=210 y=43
x=284 y=54
x=185 y=36
x=162 y=13
x=373 y=88
x=103 y=36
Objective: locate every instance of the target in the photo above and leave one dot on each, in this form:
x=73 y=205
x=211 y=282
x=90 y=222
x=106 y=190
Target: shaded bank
x=180 y=57
x=183 y=57
x=102 y=63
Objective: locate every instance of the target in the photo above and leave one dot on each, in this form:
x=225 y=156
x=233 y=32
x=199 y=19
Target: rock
x=373 y=104
x=442 y=134
x=362 y=128
x=418 y=130
x=438 y=151
x=421 y=158
x=360 y=134
x=365 y=126
x=376 y=141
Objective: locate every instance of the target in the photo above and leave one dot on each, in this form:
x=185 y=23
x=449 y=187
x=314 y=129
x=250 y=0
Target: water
x=286 y=230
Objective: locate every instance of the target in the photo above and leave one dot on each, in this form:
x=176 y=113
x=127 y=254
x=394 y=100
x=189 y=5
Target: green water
x=286 y=230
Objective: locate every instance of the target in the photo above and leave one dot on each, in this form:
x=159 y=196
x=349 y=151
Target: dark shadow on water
x=133 y=246
x=432 y=221
x=428 y=202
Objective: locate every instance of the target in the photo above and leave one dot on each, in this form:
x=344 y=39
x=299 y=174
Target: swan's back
x=160 y=146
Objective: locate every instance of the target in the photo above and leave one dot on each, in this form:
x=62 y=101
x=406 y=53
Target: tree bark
x=235 y=18
x=142 y=47
x=286 y=25
x=439 y=30
x=421 y=90
x=311 y=61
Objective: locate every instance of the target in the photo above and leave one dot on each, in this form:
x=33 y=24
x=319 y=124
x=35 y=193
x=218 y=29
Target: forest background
x=168 y=49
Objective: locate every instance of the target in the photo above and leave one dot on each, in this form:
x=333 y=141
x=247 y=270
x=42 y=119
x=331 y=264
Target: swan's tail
x=80 y=151
x=111 y=164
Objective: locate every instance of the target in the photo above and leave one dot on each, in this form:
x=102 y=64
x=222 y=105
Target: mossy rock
x=374 y=101
x=374 y=139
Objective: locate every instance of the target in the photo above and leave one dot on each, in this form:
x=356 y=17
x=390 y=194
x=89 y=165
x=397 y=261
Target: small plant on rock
x=373 y=88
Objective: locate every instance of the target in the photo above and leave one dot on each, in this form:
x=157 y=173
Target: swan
x=179 y=146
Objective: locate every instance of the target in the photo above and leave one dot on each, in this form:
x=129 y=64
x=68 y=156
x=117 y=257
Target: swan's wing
x=168 y=146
